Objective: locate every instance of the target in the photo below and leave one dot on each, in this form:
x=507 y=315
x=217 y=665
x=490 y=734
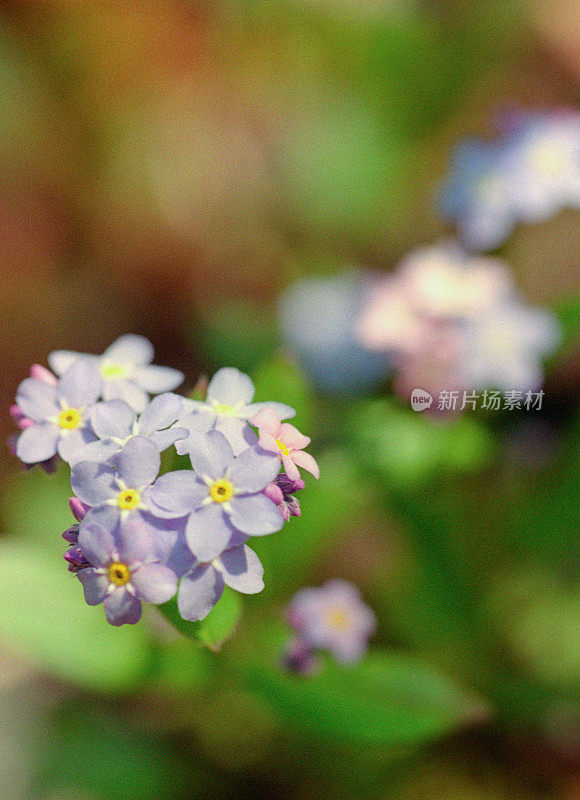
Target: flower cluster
x=141 y=536
x=332 y=617
x=527 y=176
x=451 y=321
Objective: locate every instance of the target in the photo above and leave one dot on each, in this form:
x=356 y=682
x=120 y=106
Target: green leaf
x=212 y=631
x=388 y=699
x=43 y=615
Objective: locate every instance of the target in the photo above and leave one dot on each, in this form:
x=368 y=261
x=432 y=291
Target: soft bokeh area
x=350 y=201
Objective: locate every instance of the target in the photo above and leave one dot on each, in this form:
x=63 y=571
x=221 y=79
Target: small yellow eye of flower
x=111 y=371
x=282 y=447
x=338 y=618
x=223 y=408
x=70 y=418
x=129 y=499
x=221 y=491
x=119 y=573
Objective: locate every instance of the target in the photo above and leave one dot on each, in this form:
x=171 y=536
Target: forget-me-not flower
x=126 y=370
x=57 y=414
x=124 y=570
x=223 y=497
x=227 y=408
x=333 y=618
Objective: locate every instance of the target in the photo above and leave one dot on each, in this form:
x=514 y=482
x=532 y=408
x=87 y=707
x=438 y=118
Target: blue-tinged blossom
x=57 y=414
x=126 y=370
x=124 y=570
x=227 y=408
x=333 y=618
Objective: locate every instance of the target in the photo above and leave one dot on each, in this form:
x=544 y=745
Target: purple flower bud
x=71 y=534
x=42 y=374
x=279 y=492
x=78 y=508
x=76 y=559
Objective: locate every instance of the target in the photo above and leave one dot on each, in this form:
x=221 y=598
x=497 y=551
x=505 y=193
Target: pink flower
x=283 y=438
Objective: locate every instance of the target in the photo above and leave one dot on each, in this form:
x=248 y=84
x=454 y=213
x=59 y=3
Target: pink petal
x=292 y=438
x=267 y=441
x=306 y=461
x=267 y=420
x=290 y=467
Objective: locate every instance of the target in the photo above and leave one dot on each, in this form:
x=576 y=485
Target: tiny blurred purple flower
x=124 y=570
x=126 y=370
x=333 y=618
x=227 y=408
x=60 y=414
x=202 y=586
x=223 y=498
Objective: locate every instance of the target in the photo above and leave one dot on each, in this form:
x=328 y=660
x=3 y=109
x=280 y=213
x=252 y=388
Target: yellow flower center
x=119 y=573
x=223 y=408
x=221 y=491
x=338 y=618
x=549 y=160
x=129 y=499
x=282 y=447
x=113 y=372
x=70 y=418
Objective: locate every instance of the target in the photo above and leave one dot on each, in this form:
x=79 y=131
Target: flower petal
x=128 y=391
x=113 y=418
x=281 y=409
x=208 y=532
x=97 y=543
x=292 y=438
x=164 y=439
x=230 y=387
x=161 y=412
x=37 y=443
x=199 y=591
x=81 y=384
x=138 y=462
x=254 y=469
x=130 y=349
x=290 y=467
x=122 y=608
x=255 y=515
x=237 y=431
x=72 y=444
x=157 y=379
x=179 y=492
x=210 y=454
x=154 y=583
x=242 y=570
x=268 y=420
x=61 y=360
x=95 y=585
x=37 y=399
x=307 y=462
x=93 y=483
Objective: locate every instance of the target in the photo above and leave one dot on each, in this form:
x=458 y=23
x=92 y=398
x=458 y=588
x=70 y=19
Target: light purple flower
x=202 y=586
x=227 y=408
x=115 y=423
x=223 y=498
x=545 y=165
x=59 y=413
x=333 y=618
x=125 y=570
x=120 y=488
x=504 y=348
x=126 y=370
x=285 y=440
